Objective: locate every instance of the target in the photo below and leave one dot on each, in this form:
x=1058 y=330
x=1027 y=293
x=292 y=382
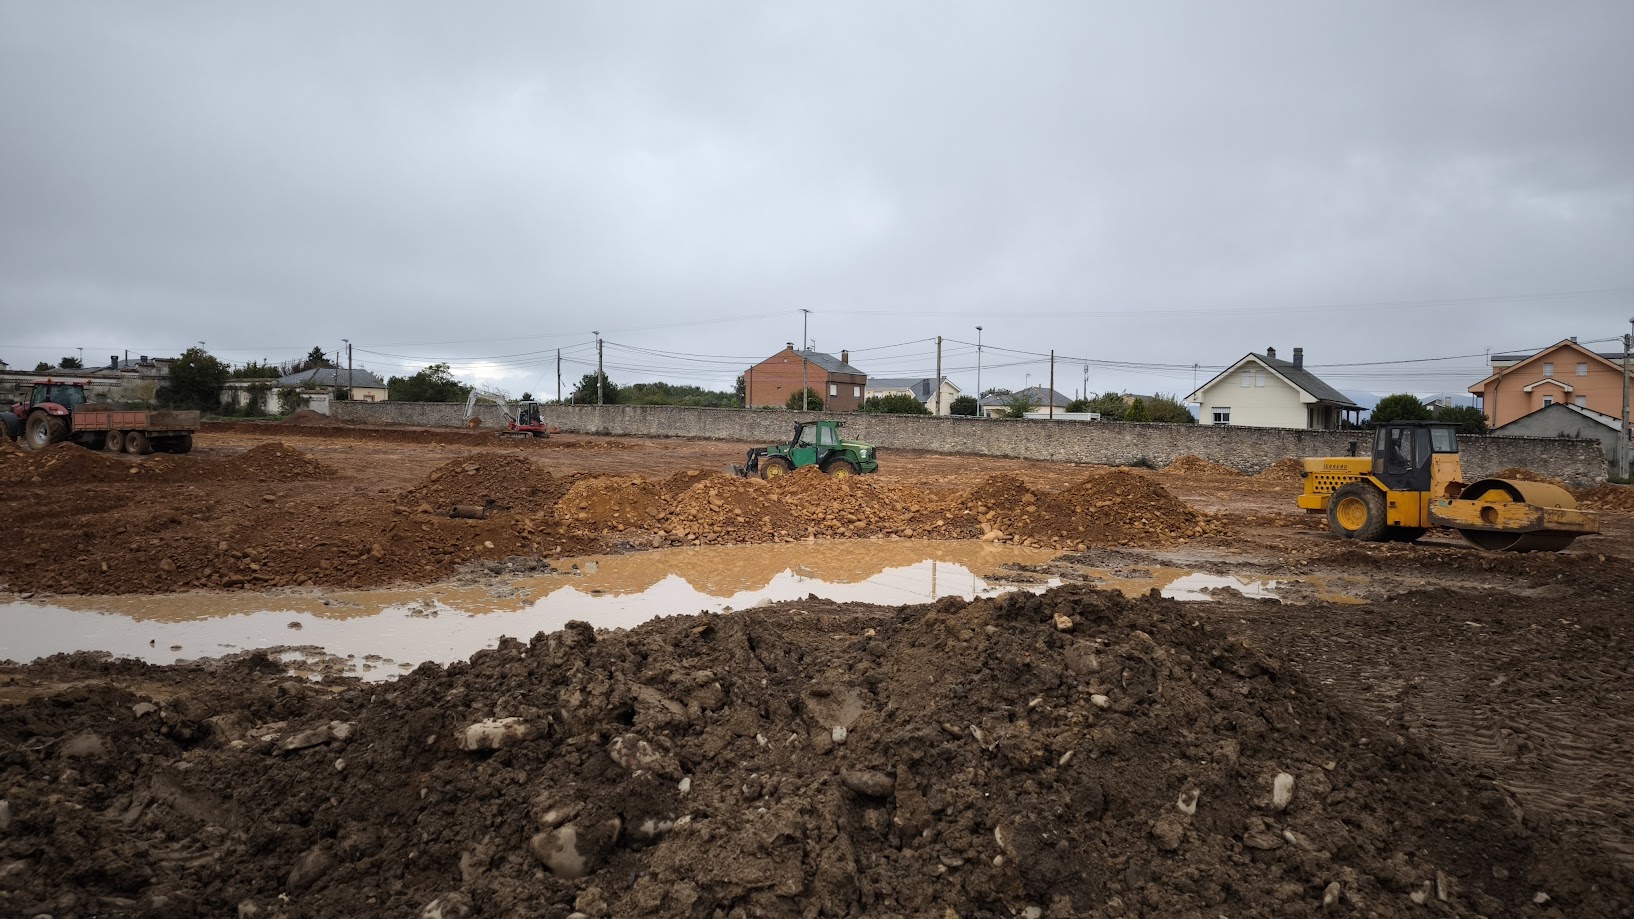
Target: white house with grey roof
x=923 y=389
x=1262 y=391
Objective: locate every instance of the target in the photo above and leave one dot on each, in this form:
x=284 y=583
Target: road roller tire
x=1357 y=512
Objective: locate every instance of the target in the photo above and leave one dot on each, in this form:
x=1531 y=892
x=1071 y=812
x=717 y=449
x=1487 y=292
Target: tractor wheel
x=44 y=430
x=115 y=442
x=775 y=466
x=841 y=468
x=137 y=442
x=1404 y=534
x=1357 y=512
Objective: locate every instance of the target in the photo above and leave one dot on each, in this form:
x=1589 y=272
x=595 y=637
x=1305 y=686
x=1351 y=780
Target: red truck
x=57 y=411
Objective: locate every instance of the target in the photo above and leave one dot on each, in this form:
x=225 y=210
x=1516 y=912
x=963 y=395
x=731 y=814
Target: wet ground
x=1512 y=671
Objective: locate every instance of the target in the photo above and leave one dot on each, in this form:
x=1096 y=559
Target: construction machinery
x=1414 y=480
x=814 y=443
x=57 y=411
x=524 y=421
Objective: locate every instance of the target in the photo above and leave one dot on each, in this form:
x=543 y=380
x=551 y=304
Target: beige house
x=924 y=389
x=1563 y=374
x=1261 y=391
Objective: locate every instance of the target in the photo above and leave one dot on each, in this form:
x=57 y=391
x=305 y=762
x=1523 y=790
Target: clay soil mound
x=1289 y=467
x=277 y=462
x=1074 y=754
x=1117 y=507
x=507 y=480
x=64 y=464
x=1608 y=497
x=1196 y=465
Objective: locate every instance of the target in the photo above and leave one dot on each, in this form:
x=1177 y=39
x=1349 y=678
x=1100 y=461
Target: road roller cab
x=1413 y=480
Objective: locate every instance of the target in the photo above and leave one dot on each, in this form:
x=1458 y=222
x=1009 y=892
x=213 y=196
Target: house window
x=1582 y=368
x=1248 y=378
x=1548 y=368
x=1548 y=401
x=1582 y=401
x=856 y=392
x=1259 y=378
x=1222 y=415
x=833 y=389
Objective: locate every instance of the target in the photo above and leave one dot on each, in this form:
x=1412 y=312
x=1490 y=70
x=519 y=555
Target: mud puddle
x=1190 y=585
x=380 y=633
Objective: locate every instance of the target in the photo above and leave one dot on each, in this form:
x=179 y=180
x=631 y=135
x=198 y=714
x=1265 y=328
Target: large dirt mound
x=1526 y=475
x=278 y=462
x=1608 y=497
x=1289 y=467
x=507 y=480
x=1073 y=754
x=63 y=464
x=1110 y=508
x=1196 y=465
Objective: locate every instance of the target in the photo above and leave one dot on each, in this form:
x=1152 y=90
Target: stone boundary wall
x=1580 y=463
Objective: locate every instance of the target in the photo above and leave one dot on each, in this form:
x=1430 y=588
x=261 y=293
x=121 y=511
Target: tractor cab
x=1416 y=455
x=66 y=395
x=812 y=442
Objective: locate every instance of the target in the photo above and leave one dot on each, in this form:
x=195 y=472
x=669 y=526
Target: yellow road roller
x=1413 y=481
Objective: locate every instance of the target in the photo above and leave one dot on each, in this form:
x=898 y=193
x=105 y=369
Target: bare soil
x=1455 y=724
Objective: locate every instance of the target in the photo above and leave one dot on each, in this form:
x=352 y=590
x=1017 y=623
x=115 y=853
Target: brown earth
x=1476 y=708
x=1074 y=754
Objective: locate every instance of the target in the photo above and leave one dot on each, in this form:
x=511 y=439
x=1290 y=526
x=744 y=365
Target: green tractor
x=815 y=443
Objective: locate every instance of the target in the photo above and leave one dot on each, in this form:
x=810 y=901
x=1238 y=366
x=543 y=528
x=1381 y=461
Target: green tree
x=585 y=392
x=1399 y=407
x=812 y=401
x=1018 y=404
x=255 y=399
x=967 y=406
x=1168 y=410
x=526 y=396
x=433 y=384
x=316 y=358
x=1470 y=420
x=70 y=363
x=1079 y=405
x=289 y=400
x=741 y=391
x=251 y=370
x=1110 y=405
x=42 y=367
x=896 y=403
x=1137 y=411
x=673 y=394
x=195 y=381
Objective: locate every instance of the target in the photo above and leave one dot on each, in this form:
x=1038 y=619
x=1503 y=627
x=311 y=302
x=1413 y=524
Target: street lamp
x=978 y=371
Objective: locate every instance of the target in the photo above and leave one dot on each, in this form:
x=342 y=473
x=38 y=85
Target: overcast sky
x=1159 y=184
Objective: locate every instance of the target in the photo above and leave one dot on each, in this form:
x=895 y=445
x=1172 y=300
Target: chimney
x=1299 y=358
x=845 y=356
x=789 y=345
x=1271 y=353
x=113 y=362
x=143 y=359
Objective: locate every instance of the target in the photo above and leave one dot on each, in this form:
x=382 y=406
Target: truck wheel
x=115 y=442
x=137 y=442
x=841 y=468
x=1357 y=512
x=13 y=425
x=44 y=430
x=774 y=466
x=181 y=443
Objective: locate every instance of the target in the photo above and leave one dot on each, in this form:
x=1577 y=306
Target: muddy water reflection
x=386 y=631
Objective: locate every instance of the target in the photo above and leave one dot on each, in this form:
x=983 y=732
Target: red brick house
x=773 y=380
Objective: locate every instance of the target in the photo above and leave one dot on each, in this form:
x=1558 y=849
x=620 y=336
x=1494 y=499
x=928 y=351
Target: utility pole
x=938 y=374
x=978 y=371
x=348 y=343
x=1051 y=396
x=599 y=374
x=805 y=379
x=558 y=376
x=1622 y=441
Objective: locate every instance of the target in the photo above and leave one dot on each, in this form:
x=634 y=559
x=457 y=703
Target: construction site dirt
x=1317 y=727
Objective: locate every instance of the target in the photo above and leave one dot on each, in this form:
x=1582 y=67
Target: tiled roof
x=326 y=376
